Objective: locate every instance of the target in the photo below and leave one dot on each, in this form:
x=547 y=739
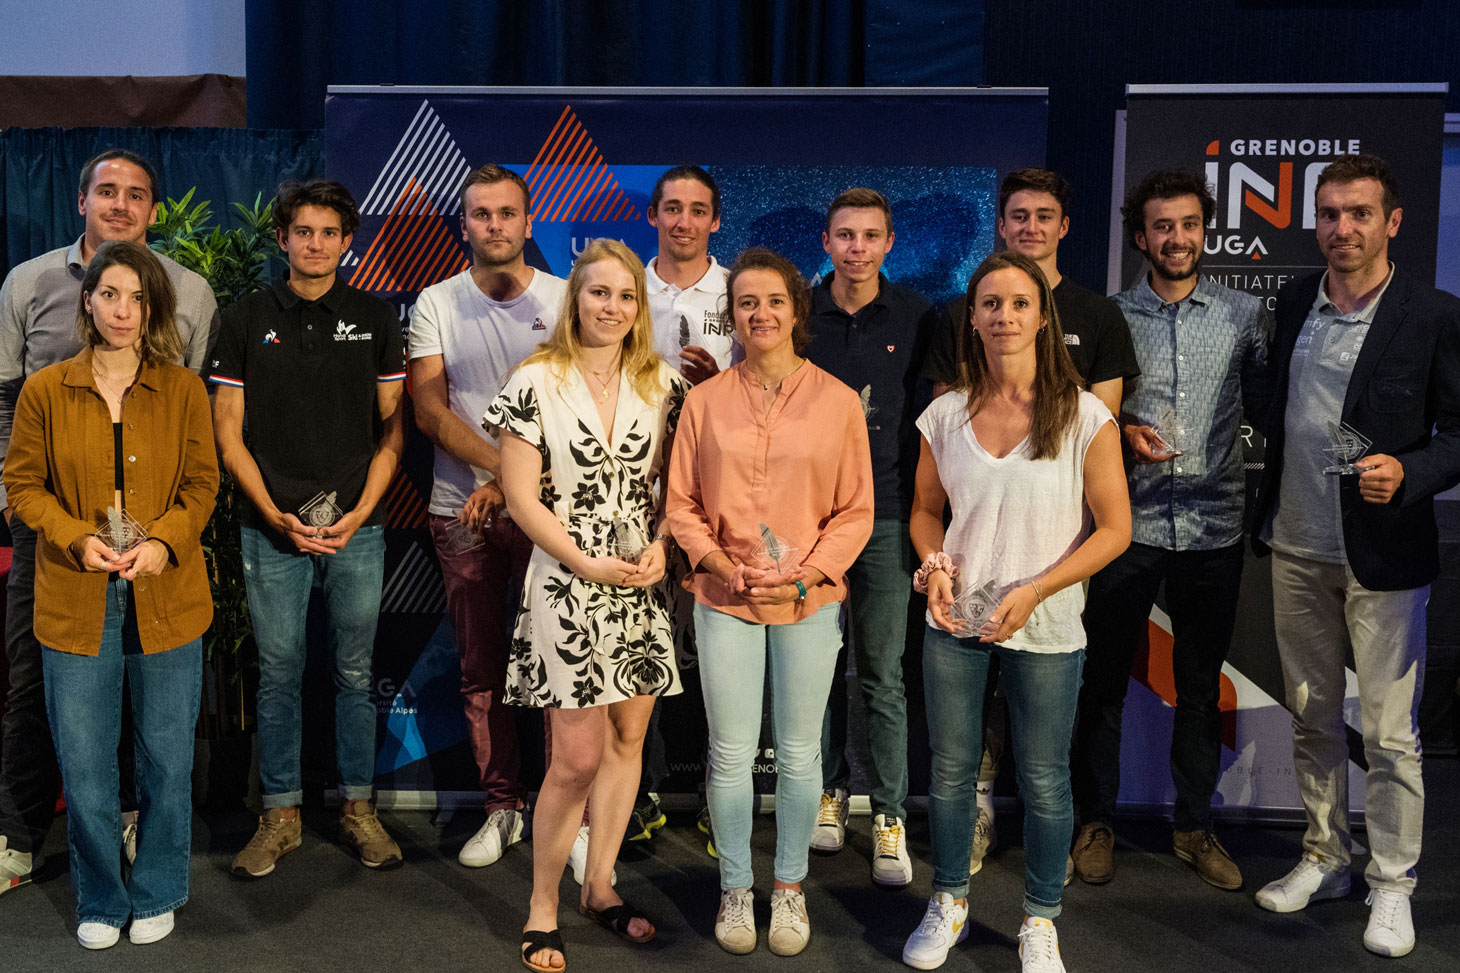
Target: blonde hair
x=564 y=349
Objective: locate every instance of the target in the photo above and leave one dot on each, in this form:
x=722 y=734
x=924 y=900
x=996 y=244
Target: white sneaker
x=1039 y=947
x=830 y=832
x=944 y=925
x=129 y=836
x=1309 y=881
x=735 y=922
x=790 y=928
x=1391 y=930
x=891 y=866
x=984 y=839
x=502 y=830
x=15 y=867
x=146 y=931
x=578 y=858
x=97 y=935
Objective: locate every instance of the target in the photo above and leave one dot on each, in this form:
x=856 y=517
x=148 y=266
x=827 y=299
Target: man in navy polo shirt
x=872 y=335
x=318 y=366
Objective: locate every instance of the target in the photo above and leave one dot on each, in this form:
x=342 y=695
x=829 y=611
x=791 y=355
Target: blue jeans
x=881 y=585
x=279 y=581
x=84 y=703
x=733 y=655
x=1041 y=691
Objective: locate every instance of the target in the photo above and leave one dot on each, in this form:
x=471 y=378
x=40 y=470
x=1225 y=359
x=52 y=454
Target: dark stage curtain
x=39 y=168
x=298 y=47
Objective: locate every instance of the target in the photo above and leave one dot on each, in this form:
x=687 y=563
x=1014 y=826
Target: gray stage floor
x=321 y=911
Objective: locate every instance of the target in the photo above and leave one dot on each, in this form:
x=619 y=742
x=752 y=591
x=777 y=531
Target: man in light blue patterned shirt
x=1202 y=350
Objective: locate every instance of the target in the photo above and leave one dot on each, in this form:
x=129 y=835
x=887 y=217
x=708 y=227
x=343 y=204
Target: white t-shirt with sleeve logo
x=480 y=341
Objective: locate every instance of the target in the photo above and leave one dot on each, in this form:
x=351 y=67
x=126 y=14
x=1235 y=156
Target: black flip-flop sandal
x=534 y=940
x=616 y=919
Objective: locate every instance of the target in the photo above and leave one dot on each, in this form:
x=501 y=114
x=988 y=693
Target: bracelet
x=1037 y=593
x=937 y=561
x=800 y=591
x=663 y=535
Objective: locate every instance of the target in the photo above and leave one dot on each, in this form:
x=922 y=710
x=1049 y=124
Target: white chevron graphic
x=428 y=154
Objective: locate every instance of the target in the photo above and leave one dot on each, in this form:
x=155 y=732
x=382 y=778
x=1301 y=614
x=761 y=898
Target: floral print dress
x=579 y=643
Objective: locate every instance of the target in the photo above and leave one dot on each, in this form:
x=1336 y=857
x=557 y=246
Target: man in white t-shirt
x=467 y=333
x=692 y=327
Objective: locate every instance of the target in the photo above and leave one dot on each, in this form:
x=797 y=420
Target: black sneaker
x=704 y=825
x=647 y=818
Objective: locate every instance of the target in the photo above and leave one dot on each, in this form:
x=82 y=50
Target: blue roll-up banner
x=590 y=157
x=1261 y=148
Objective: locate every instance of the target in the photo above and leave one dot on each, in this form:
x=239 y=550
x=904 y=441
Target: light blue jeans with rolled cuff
x=734 y=658
x=84 y=705
x=1041 y=690
x=278 y=582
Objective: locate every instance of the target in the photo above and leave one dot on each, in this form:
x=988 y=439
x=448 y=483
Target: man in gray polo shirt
x=117 y=198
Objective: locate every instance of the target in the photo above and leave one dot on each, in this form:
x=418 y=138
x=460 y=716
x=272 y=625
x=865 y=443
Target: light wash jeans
x=278 y=583
x=84 y=703
x=733 y=663
x=1041 y=690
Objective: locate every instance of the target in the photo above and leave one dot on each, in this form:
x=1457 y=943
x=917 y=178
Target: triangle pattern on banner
x=414 y=248
x=569 y=180
x=427 y=154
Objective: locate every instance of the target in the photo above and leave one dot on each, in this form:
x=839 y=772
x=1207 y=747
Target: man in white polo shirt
x=692 y=329
x=467 y=333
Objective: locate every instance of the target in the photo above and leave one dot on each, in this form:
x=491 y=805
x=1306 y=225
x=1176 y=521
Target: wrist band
x=937 y=561
x=1037 y=593
x=800 y=591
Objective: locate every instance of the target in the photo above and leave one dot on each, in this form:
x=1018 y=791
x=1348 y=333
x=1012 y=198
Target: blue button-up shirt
x=1198 y=359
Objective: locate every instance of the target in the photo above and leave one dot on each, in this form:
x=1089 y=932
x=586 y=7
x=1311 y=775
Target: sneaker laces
x=984 y=826
x=831 y=811
x=369 y=826
x=784 y=911
x=937 y=918
x=734 y=906
x=1300 y=873
x=1038 y=942
x=1385 y=909
x=268 y=832
x=886 y=839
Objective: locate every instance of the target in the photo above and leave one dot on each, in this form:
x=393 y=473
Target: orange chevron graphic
x=413 y=250
x=1152 y=668
x=403 y=505
x=569 y=181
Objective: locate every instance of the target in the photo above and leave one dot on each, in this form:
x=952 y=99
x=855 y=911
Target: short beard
x=481 y=260
x=1161 y=272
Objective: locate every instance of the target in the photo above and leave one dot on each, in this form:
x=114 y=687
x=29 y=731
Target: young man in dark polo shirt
x=1033 y=208
x=318 y=365
x=872 y=335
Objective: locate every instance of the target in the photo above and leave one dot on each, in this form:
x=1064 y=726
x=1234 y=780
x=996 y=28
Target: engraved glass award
x=626 y=540
x=460 y=538
x=1169 y=434
x=684 y=338
x=773 y=553
x=120 y=531
x=320 y=512
x=1346 y=445
x=974 y=605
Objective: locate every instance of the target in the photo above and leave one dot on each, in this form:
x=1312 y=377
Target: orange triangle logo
x=569 y=180
x=413 y=250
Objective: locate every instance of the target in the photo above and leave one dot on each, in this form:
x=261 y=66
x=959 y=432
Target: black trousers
x=1201 y=598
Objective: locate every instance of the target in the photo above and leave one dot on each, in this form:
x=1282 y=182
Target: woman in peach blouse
x=770 y=497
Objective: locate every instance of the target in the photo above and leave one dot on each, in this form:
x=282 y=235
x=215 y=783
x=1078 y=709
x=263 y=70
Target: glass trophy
x=1346 y=444
x=320 y=512
x=1169 y=434
x=120 y=531
x=774 y=554
x=974 y=605
x=684 y=338
x=460 y=538
x=626 y=541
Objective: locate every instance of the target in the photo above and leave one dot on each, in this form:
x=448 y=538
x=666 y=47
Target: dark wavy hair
x=160 y=341
x=760 y=258
x=1056 y=383
x=315 y=192
x=1349 y=168
x=1164 y=184
x=1039 y=181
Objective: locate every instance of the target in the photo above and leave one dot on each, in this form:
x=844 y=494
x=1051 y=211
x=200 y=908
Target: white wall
x=107 y=37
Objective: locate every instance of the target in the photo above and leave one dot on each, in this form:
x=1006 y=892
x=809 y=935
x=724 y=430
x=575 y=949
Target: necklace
x=117 y=387
x=605 y=383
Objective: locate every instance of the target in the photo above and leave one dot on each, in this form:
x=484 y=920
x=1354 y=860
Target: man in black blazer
x=1363 y=431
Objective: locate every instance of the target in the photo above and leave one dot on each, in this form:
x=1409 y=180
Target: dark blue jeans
x=881 y=585
x=84 y=701
x=279 y=582
x=1041 y=690
x=1201 y=598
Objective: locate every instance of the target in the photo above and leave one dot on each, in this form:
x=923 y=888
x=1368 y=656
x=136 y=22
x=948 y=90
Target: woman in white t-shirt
x=1024 y=459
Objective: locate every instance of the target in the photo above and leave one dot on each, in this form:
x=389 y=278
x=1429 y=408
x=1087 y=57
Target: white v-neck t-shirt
x=1015 y=518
